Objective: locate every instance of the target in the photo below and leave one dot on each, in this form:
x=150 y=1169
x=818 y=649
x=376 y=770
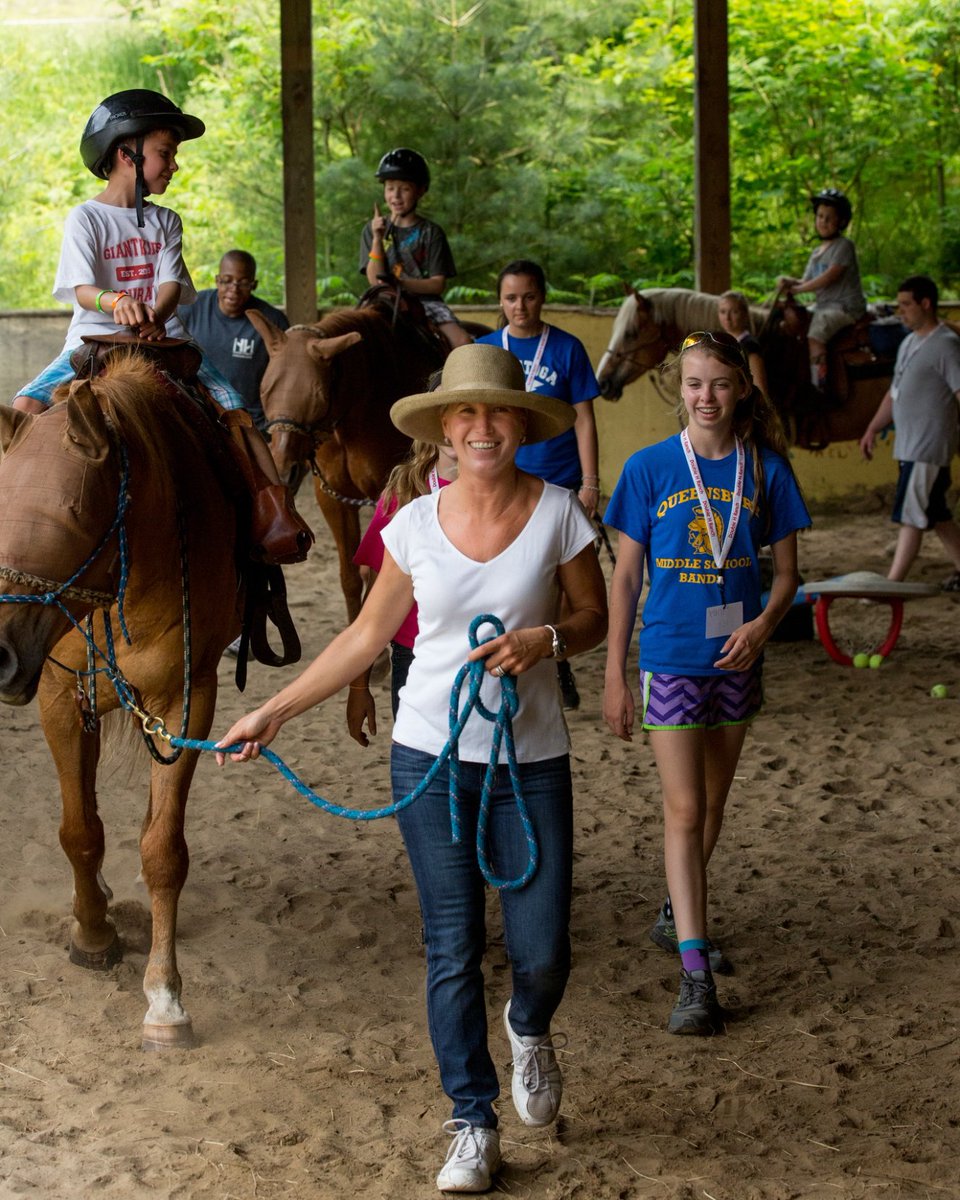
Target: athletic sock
x=694 y=954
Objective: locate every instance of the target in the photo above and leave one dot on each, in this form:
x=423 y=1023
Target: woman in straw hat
x=501 y=542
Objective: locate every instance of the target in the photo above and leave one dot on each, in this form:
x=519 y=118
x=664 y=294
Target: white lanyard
x=535 y=365
x=719 y=552
x=434 y=479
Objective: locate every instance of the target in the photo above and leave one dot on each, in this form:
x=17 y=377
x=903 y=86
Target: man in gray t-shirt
x=218 y=322
x=922 y=403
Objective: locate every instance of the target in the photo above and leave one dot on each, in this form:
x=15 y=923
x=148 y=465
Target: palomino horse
x=327 y=392
x=111 y=500
x=653 y=322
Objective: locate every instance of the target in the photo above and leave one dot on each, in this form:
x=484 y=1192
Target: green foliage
x=554 y=131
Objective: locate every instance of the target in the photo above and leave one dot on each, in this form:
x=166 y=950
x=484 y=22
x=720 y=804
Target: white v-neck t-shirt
x=519 y=586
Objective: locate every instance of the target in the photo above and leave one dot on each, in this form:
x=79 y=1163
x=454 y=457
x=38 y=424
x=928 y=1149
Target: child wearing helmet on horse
x=407 y=246
x=833 y=275
x=121 y=266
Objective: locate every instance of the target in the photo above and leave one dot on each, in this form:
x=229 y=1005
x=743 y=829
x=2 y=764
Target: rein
x=352 y=501
x=457 y=718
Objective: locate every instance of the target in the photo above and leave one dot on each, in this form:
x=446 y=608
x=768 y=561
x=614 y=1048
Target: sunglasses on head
x=724 y=341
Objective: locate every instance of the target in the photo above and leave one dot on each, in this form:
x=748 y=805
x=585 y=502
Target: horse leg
x=164 y=863
x=165 y=860
x=344 y=523
x=94 y=943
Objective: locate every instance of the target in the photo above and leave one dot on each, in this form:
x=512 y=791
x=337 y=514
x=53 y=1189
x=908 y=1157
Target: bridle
x=316 y=433
x=51 y=595
x=630 y=356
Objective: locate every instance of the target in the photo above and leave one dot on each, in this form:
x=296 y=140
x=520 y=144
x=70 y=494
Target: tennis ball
x=861 y=660
x=939 y=691
x=876 y=660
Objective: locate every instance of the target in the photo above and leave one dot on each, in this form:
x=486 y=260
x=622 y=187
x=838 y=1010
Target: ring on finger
x=498 y=670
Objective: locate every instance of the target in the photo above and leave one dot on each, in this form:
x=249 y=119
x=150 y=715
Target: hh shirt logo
x=243 y=347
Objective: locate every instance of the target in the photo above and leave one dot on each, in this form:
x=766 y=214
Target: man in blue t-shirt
x=219 y=324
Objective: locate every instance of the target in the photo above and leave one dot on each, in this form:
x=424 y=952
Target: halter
x=51 y=597
x=317 y=432
x=631 y=356
x=51 y=592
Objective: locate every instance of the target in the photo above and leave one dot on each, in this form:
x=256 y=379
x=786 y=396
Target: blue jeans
x=61 y=371
x=536 y=918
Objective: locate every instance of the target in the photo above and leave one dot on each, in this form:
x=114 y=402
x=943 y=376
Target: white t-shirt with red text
x=104 y=246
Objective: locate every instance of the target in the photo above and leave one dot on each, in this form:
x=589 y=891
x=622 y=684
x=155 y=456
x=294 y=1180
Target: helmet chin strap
x=136 y=157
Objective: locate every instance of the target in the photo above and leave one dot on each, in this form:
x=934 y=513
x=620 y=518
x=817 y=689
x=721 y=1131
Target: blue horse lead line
x=502 y=729
x=502 y=720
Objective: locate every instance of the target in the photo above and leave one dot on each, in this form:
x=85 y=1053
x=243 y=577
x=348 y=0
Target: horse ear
x=644 y=305
x=85 y=432
x=273 y=336
x=327 y=348
x=12 y=420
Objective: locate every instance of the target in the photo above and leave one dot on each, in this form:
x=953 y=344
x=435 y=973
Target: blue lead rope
x=457 y=718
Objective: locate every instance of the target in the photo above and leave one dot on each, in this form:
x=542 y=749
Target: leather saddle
x=397 y=304
x=272 y=530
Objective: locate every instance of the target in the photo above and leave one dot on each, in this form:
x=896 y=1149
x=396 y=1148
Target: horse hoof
x=97 y=960
x=168 y=1037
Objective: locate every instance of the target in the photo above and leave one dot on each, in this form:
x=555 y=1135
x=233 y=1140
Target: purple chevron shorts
x=701 y=701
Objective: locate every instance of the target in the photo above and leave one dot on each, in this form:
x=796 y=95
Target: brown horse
x=653 y=322
x=113 y=493
x=326 y=393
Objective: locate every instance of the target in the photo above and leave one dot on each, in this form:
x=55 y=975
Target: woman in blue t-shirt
x=555 y=363
x=698 y=507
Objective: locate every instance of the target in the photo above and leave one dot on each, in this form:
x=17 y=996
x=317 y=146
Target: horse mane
x=624 y=319
x=149 y=419
x=368 y=322
x=691 y=311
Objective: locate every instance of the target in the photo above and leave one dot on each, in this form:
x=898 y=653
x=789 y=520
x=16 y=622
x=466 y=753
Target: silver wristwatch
x=559 y=648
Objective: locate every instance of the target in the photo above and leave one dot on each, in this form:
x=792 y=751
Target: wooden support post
x=712 y=147
x=299 y=204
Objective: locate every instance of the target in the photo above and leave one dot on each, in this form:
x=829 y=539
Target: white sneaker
x=472 y=1160
x=537 y=1083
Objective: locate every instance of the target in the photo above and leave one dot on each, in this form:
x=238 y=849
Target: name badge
x=723 y=619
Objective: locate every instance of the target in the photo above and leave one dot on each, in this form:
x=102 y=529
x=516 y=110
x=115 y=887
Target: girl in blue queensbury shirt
x=697 y=508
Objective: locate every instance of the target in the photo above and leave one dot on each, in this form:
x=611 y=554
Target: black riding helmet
x=132 y=115
x=405 y=164
x=837 y=200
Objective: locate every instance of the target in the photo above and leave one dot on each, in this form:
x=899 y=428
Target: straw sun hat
x=481 y=374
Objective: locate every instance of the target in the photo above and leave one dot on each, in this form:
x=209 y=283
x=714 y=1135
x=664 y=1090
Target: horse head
x=636 y=345
x=59 y=482
x=295 y=391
